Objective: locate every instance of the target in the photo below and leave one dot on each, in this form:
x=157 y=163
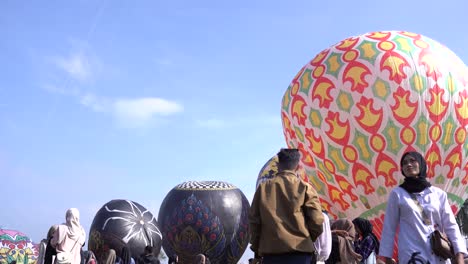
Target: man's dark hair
x=288 y=159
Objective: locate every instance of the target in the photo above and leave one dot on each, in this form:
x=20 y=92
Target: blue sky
x=103 y=100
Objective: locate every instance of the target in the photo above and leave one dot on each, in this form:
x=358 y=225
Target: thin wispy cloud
x=142 y=110
x=129 y=112
x=77 y=65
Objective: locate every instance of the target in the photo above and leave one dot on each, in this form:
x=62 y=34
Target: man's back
x=285 y=216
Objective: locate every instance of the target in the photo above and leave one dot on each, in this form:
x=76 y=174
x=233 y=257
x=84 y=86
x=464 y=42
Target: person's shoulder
x=398 y=191
x=438 y=191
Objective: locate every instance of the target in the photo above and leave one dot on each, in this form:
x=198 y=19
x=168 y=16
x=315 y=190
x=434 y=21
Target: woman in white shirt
x=418 y=208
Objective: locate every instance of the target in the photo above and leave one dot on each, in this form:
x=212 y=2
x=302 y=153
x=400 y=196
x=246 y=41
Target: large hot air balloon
x=16 y=246
x=360 y=104
x=122 y=223
x=208 y=217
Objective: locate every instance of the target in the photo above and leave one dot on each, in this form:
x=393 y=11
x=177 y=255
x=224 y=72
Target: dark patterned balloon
x=122 y=223
x=208 y=217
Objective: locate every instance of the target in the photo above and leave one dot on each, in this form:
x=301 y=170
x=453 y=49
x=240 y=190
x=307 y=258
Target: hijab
x=75 y=230
x=366 y=228
x=346 y=247
x=415 y=184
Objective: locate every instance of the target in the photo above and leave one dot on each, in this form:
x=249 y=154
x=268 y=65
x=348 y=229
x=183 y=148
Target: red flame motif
x=386 y=167
x=288 y=131
x=315 y=143
x=369 y=118
x=453 y=160
x=433 y=159
x=436 y=106
x=461 y=108
x=322 y=91
x=337 y=196
x=362 y=176
x=347 y=44
x=380 y=35
x=427 y=59
x=395 y=64
x=319 y=58
x=339 y=131
x=404 y=110
x=298 y=105
x=355 y=73
x=465 y=179
x=346 y=187
x=306 y=158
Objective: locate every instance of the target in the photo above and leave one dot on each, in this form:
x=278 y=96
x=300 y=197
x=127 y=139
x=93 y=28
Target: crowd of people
x=288 y=225
x=64 y=245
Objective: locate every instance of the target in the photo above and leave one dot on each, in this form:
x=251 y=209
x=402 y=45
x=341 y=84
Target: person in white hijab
x=70 y=236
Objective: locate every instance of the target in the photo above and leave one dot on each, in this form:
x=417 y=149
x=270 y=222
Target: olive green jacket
x=285 y=216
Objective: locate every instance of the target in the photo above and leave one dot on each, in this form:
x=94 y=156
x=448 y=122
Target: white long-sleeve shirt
x=413 y=234
x=323 y=243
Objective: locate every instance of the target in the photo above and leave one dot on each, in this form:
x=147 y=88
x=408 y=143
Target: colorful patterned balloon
x=16 y=246
x=270 y=169
x=360 y=104
x=208 y=217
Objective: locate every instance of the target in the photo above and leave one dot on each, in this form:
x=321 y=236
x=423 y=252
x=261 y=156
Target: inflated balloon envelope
x=16 y=246
x=208 y=217
x=121 y=223
x=360 y=104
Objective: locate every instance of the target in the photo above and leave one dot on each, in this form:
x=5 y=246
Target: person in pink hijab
x=70 y=236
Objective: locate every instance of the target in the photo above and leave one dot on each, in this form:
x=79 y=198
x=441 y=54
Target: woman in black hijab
x=417 y=209
x=368 y=244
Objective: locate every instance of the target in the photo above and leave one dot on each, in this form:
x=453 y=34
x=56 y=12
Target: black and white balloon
x=122 y=223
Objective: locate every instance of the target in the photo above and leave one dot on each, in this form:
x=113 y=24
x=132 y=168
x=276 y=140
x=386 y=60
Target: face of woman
x=410 y=166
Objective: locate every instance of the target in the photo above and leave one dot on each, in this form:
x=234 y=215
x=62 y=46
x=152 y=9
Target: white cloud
x=129 y=112
x=77 y=65
x=141 y=110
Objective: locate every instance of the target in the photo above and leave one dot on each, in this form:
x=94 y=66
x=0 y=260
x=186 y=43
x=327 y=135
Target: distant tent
x=15 y=245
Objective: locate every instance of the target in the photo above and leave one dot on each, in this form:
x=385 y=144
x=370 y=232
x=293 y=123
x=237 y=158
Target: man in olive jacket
x=285 y=217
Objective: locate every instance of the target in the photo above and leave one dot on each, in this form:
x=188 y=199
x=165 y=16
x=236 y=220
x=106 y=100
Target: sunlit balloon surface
x=360 y=104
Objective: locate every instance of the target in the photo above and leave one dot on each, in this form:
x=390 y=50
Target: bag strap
x=76 y=241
